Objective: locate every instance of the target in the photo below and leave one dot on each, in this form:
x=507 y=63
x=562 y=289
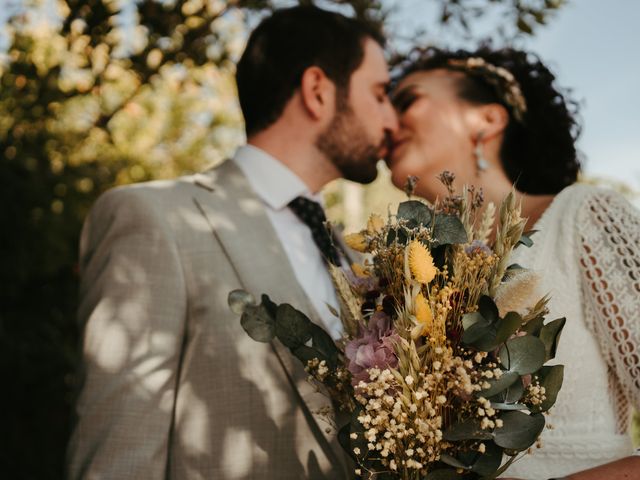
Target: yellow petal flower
x=359 y=270
x=356 y=241
x=421 y=262
x=375 y=224
x=423 y=311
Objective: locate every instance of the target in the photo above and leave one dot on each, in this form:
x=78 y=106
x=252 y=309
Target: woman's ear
x=317 y=93
x=493 y=119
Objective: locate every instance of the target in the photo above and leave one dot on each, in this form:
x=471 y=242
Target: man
x=174 y=388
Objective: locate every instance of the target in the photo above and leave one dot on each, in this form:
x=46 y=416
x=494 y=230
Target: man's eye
x=381 y=98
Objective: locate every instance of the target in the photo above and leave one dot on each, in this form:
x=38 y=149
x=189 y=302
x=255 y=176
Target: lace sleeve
x=609 y=234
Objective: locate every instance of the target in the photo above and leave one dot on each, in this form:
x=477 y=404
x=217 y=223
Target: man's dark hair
x=284 y=45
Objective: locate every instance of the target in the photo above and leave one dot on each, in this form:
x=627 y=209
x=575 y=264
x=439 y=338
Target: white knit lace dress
x=588 y=253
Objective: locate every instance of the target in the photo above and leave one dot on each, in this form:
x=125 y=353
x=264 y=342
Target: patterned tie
x=312 y=214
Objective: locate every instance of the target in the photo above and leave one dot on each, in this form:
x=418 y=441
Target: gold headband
x=501 y=78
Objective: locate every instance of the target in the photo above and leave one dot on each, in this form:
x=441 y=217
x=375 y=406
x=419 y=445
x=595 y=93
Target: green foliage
x=445 y=229
x=520 y=17
x=266 y=321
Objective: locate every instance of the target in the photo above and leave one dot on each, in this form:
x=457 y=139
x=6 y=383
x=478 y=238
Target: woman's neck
x=533 y=206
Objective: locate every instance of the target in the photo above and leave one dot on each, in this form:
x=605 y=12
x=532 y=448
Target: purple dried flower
x=477 y=246
x=372 y=348
x=361 y=285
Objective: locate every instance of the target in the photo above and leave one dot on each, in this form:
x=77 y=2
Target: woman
x=495 y=119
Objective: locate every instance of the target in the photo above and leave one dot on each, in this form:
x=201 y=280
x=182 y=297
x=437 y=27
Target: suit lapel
x=239 y=221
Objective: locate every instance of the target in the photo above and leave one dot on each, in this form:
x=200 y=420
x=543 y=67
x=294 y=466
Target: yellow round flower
x=356 y=241
x=424 y=317
x=423 y=311
x=360 y=271
x=421 y=262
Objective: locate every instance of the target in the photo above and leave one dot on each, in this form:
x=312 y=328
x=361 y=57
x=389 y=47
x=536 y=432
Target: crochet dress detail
x=587 y=252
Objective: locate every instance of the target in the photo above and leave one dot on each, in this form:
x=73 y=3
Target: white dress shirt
x=276 y=186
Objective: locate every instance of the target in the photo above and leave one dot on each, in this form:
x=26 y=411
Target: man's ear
x=317 y=92
x=493 y=119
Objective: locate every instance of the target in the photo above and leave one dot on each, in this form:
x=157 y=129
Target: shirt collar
x=274 y=183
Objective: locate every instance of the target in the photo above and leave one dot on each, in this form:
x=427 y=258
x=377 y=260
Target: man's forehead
x=374 y=63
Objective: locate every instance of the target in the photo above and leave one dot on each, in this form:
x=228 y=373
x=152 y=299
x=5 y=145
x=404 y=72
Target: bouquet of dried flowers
x=442 y=364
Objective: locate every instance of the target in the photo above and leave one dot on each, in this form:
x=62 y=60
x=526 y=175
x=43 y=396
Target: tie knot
x=307 y=210
x=312 y=214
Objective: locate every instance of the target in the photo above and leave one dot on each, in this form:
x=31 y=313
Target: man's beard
x=345 y=143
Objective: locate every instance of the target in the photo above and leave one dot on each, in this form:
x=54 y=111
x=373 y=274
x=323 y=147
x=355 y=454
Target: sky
x=593 y=47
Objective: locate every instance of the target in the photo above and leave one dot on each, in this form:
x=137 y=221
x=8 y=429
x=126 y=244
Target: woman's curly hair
x=538 y=152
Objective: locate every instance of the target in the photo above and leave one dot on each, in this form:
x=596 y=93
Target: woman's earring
x=478 y=153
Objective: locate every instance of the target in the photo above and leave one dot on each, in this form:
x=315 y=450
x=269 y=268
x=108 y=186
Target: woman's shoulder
x=585 y=199
x=602 y=212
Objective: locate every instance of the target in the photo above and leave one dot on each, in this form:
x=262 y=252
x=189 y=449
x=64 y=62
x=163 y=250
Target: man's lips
x=396 y=146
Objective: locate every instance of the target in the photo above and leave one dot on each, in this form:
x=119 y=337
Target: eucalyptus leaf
x=507 y=327
x=550 y=335
x=322 y=341
x=510 y=395
x=271 y=307
x=513 y=267
x=454 y=462
x=512 y=458
x=475 y=331
x=514 y=392
x=444 y=474
x=519 y=431
x=344 y=440
x=468 y=429
x=239 y=299
x=482 y=325
x=258 y=323
x=550 y=377
x=525 y=240
x=360 y=441
x=487 y=307
x=305 y=353
x=448 y=230
x=509 y=406
x=293 y=328
x=469 y=319
x=484 y=337
x=398 y=234
x=499 y=384
x=439 y=255
x=533 y=326
x=489 y=461
x=524 y=354
x=467 y=457
x=415 y=212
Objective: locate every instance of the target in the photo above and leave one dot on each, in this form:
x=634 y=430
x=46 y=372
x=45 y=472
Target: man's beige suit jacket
x=172 y=385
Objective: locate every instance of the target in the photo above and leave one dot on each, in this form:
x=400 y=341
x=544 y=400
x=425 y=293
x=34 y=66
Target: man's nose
x=392 y=123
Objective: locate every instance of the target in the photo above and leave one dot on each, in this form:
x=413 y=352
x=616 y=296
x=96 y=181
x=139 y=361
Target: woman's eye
x=403 y=100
